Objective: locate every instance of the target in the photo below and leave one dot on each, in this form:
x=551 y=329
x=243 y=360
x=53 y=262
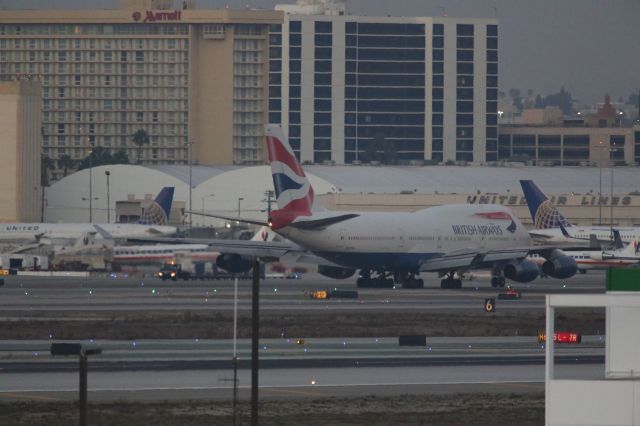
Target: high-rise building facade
x=421 y=88
x=194 y=80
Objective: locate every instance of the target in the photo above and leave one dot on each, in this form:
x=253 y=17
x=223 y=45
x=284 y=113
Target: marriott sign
x=151 y=16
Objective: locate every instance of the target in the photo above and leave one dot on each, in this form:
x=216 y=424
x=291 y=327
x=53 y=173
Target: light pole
x=189 y=146
x=239 y=199
x=611 y=164
x=600 y=160
x=202 y=198
x=107 y=174
x=90 y=187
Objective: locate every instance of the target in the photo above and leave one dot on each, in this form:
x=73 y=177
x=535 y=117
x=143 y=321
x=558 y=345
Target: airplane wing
x=229 y=218
x=471 y=259
x=242 y=247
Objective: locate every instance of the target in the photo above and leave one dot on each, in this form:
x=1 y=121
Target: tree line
x=98 y=156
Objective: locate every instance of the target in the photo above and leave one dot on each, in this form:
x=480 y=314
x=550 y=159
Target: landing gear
x=450 y=282
x=381 y=281
x=408 y=280
x=497 y=281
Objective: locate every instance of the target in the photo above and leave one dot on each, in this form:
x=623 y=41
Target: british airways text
x=476 y=230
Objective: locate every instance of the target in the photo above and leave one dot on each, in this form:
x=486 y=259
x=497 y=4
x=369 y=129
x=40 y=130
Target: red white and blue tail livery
x=294 y=193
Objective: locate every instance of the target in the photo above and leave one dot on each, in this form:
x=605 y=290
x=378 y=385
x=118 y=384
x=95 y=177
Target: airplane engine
x=235 y=263
x=600 y=256
x=522 y=272
x=560 y=266
x=335 y=272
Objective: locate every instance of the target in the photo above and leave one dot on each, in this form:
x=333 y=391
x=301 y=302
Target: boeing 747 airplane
x=394 y=247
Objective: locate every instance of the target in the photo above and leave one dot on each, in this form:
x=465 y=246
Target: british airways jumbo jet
x=153 y=222
x=382 y=246
x=394 y=248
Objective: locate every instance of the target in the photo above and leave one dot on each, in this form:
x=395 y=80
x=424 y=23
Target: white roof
x=218 y=188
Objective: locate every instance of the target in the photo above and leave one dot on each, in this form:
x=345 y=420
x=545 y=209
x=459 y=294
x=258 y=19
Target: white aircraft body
x=547 y=220
x=153 y=223
x=395 y=247
x=602 y=259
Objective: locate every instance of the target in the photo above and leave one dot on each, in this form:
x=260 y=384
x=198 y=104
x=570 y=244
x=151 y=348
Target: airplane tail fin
x=617 y=240
x=263 y=234
x=294 y=193
x=631 y=249
x=159 y=210
x=543 y=214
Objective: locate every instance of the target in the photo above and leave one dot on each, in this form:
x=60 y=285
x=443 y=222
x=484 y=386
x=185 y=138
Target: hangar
x=233 y=190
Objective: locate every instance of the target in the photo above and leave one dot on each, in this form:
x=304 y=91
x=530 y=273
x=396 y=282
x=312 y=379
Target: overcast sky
x=591 y=47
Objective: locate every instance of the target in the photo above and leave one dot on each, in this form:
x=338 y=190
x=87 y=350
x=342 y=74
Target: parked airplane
x=547 y=220
x=153 y=222
x=395 y=247
x=157 y=254
x=604 y=259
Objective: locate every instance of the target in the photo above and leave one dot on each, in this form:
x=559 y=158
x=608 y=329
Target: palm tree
x=65 y=162
x=140 y=138
x=46 y=164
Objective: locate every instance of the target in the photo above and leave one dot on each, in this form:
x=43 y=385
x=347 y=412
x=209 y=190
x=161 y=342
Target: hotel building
x=426 y=86
x=194 y=80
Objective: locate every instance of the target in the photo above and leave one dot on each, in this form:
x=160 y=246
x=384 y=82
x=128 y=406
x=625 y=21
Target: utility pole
x=255 y=336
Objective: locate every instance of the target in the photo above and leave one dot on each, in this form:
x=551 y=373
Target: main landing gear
x=497 y=281
x=366 y=281
x=408 y=280
x=383 y=280
x=450 y=282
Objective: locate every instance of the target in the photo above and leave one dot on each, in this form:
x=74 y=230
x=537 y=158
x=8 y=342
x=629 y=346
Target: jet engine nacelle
x=560 y=266
x=600 y=256
x=522 y=272
x=335 y=272
x=235 y=263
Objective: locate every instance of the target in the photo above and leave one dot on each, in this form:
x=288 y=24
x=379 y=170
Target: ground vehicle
x=509 y=293
x=173 y=271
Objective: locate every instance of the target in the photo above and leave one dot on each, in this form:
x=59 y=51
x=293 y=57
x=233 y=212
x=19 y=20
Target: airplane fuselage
x=402 y=241
x=603 y=233
x=21 y=232
x=161 y=253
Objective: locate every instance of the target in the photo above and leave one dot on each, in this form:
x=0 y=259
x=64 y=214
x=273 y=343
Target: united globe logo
x=547 y=216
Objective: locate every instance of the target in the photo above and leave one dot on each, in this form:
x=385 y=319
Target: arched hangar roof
x=219 y=188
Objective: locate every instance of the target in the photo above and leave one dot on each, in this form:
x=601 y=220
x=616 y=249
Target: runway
x=24 y=294
x=317 y=367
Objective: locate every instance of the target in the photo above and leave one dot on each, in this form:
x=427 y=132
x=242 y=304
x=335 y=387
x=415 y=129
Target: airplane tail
x=543 y=214
x=263 y=234
x=159 y=210
x=294 y=193
x=631 y=249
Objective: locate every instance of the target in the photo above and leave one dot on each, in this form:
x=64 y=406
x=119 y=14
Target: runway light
x=26 y=293
x=35 y=354
x=313 y=382
x=90 y=292
x=141 y=284
x=90 y=340
x=264 y=347
x=50 y=336
x=429 y=349
x=197 y=340
x=153 y=291
x=344 y=343
x=133 y=344
x=275 y=290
